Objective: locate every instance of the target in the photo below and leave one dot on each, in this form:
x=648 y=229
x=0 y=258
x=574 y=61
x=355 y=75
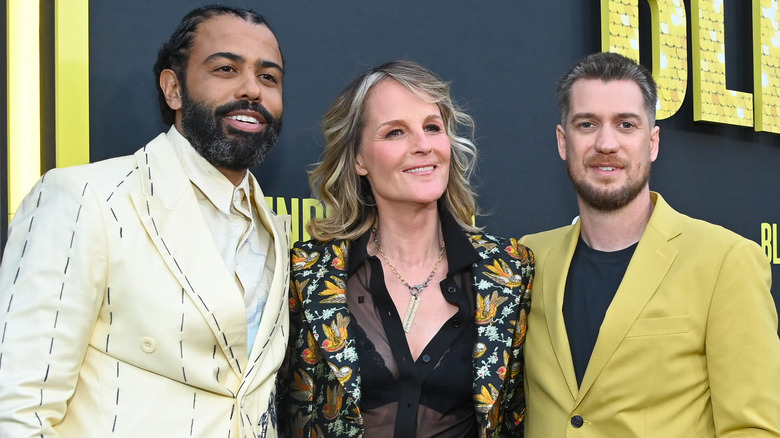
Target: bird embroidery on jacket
x=340 y=257
x=302 y=259
x=302 y=386
x=479 y=242
x=295 y=300
x=502 y=274
x=311 y=354
x=336 y=290
x=486 y=398
x=487 y=307
x=516 y=250
x=502 y=370
x=342 y=374
x=336 y=333
x=335 y=395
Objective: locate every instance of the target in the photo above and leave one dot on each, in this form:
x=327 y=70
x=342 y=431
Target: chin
x=427 y=200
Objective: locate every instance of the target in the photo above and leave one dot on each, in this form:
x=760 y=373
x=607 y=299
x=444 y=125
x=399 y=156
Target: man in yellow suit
x=645 y=322
x=145 y=296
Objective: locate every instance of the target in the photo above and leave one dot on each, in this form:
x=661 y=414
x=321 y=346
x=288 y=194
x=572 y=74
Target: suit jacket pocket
x=667 y=325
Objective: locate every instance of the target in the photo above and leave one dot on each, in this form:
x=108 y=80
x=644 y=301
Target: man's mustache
x=227 y=108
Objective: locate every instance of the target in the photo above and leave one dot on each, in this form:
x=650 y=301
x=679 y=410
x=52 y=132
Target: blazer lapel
x=324 y=296
x=275 y=315
x=554 y=286
x=652 y=259
x=493 y=343
x=170 y=213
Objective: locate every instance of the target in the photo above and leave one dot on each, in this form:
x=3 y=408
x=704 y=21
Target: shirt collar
x=214 y=185
x=460 y=252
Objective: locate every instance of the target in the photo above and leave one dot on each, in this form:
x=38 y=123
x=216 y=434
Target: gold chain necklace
x=415 y=290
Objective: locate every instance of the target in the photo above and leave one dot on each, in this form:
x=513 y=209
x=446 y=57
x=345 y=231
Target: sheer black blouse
x=400 y=397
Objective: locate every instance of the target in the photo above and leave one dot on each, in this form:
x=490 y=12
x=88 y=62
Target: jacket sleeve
x=514 y=414
x=294 y=421
x=743 y=350
x=51 y=289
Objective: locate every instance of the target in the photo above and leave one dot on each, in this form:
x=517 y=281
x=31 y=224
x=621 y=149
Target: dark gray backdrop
x=502 y=57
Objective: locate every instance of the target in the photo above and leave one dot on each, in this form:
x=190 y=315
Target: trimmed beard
x=605 y=200
x=225 y=146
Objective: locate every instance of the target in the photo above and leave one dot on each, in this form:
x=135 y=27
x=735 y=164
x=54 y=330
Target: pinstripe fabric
x=119 y=318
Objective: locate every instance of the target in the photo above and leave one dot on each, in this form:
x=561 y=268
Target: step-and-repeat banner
x=80 y=88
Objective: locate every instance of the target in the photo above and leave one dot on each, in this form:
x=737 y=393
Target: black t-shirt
x=594 y=277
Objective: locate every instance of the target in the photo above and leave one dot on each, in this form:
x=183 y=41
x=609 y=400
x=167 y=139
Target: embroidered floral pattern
x=323 y=379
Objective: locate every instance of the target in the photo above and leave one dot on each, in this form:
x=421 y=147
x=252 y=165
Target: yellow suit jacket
x=119 y=317
x=688 y=347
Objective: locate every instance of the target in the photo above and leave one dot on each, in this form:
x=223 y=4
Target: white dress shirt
x=242 y=240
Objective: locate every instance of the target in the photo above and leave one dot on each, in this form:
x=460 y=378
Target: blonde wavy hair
x=347 y=196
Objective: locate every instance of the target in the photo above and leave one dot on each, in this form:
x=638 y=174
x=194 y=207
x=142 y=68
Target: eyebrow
x=401 y=121
x=591 y=115
x=263 y=63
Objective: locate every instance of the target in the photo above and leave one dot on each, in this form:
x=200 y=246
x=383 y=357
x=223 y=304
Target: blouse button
x=456 y=323
x=451 y=289
x=426 y=358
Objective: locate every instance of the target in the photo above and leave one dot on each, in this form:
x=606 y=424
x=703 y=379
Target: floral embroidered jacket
x=320 y=381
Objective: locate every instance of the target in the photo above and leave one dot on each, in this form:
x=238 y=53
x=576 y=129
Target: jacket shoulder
x=683 y=230
x=324 y=256
x=543 y=241
x=496 y=249
x=319 y=245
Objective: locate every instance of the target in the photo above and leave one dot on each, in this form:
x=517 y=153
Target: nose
x=607 y=141
x=249 y=87
x=421 y=143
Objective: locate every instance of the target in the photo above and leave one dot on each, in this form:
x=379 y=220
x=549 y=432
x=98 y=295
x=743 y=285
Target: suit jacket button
x=577 y=421
x=148 y=345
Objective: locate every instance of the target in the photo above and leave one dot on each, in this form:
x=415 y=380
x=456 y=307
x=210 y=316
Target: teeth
x=419 y=169
x=607 y=168
x=245 y=119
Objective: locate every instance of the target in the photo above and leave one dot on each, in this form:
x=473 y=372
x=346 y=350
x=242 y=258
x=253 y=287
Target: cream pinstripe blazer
x=117 y=314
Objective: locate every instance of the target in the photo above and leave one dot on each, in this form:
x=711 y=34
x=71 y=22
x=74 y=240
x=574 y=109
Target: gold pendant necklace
x=415 y=290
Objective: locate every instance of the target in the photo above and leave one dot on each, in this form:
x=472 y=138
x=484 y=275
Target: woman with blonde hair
x=407 y=321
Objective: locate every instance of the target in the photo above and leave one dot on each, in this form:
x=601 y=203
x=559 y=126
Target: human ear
x=655 y=137
x=360 y=170
x=171 y=87
x=560 y=134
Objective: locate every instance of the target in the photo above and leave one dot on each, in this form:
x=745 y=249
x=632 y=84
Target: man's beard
x=606 y=200
x=227 y=147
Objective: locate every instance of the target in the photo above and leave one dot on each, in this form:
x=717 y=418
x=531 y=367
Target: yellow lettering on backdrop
x=312 y=208
x=766 y=65
x=670 y=49
x=769 y=242
x=281 y=209
x=775 y=258
x=301 y=211
x=712 y=101
x=766 y=239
